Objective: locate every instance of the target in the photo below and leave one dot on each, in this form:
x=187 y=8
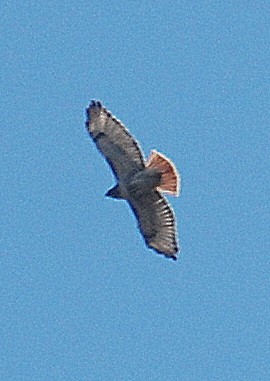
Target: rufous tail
x=170 y=179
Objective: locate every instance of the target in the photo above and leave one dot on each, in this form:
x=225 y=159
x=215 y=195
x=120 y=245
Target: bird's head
x=114 y=192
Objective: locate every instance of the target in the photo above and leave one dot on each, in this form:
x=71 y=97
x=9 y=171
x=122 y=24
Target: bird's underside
x=139 y=182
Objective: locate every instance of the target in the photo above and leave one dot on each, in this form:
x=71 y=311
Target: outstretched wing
x=156 y=222
x=114 y=141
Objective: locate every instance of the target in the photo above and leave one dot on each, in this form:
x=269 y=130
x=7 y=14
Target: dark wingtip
x=169 y=256
x=173 y=257
x=93 y=104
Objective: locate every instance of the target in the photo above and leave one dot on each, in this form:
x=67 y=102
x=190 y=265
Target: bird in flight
x=140 y=182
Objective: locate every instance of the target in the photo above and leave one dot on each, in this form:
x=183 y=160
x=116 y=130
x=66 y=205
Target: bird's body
x=139 y=182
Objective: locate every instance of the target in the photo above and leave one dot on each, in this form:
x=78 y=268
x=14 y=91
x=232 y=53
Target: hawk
x=140 y=182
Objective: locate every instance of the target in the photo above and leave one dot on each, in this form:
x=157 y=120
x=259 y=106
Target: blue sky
x=82 y=298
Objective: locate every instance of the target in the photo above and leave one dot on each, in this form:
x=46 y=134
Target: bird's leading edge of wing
x=114 y=141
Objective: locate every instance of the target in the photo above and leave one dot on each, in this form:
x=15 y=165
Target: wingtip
x=170 y=255
x=93 y=104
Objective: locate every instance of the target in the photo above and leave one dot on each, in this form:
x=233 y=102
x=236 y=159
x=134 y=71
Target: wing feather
x=156 y=222
x=114 y=141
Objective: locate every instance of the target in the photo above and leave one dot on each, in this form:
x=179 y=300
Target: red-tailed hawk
x=139 y=182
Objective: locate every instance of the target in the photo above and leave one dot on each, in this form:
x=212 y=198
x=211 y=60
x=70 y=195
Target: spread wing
x=156 y=222
x=114 y=141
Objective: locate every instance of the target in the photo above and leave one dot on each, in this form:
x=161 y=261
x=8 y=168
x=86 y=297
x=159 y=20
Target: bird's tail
x=170 y=178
